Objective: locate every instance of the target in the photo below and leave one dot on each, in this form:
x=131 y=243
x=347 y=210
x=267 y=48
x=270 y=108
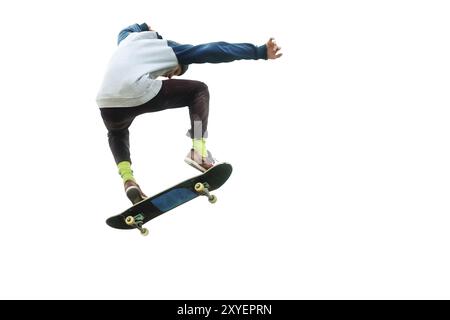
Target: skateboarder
x=130 y=88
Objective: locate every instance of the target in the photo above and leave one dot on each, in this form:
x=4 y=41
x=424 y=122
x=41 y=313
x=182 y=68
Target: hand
x=174 y=72
x=273 y=49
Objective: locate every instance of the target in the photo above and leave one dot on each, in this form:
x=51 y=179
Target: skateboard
x=150 y=208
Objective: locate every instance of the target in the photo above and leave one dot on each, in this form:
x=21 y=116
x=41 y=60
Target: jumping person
x=130 y=88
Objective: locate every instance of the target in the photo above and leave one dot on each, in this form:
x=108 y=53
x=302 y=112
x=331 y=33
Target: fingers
x=273 y=44
x=273 y=49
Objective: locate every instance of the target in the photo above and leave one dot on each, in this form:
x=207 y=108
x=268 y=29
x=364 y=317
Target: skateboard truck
x=202 y=189
x=137 y=221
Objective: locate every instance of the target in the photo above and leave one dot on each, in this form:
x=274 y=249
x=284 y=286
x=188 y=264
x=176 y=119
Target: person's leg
x=173 y=94
x=117 y=121
x=177 y=93
x=195 y=95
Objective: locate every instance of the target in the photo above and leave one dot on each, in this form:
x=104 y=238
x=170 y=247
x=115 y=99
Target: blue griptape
x=173 y=199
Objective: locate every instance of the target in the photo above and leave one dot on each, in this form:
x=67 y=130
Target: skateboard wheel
x=213 y=199
x=199 y=187
x=144 y=232
x=129 y=220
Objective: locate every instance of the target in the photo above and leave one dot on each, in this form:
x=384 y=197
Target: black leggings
x=173 y=94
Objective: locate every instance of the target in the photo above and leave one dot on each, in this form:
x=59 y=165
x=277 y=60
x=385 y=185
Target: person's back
x=130 y=79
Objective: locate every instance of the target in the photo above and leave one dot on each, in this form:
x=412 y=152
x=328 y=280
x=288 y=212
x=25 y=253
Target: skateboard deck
x=142 y=212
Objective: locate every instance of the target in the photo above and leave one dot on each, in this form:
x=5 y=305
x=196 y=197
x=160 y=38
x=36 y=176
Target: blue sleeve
x=217 y=52
x=133 y=28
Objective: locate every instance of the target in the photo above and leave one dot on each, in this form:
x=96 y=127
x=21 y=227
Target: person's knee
x=202 y=92
x=202 y=87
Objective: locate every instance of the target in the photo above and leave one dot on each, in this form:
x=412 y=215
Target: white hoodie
x=130 y=78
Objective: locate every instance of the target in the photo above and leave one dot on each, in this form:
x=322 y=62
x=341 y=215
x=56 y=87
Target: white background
x=340 y=151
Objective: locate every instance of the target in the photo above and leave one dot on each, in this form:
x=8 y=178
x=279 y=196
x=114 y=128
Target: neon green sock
x=125 y=171
x=199 y=145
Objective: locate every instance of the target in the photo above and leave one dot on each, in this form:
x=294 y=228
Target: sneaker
x=134 y=192
x=200 y=163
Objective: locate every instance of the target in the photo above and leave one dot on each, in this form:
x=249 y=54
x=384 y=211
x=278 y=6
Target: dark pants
x=173 y=94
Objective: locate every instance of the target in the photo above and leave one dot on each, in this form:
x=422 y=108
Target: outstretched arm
x=218 y=52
